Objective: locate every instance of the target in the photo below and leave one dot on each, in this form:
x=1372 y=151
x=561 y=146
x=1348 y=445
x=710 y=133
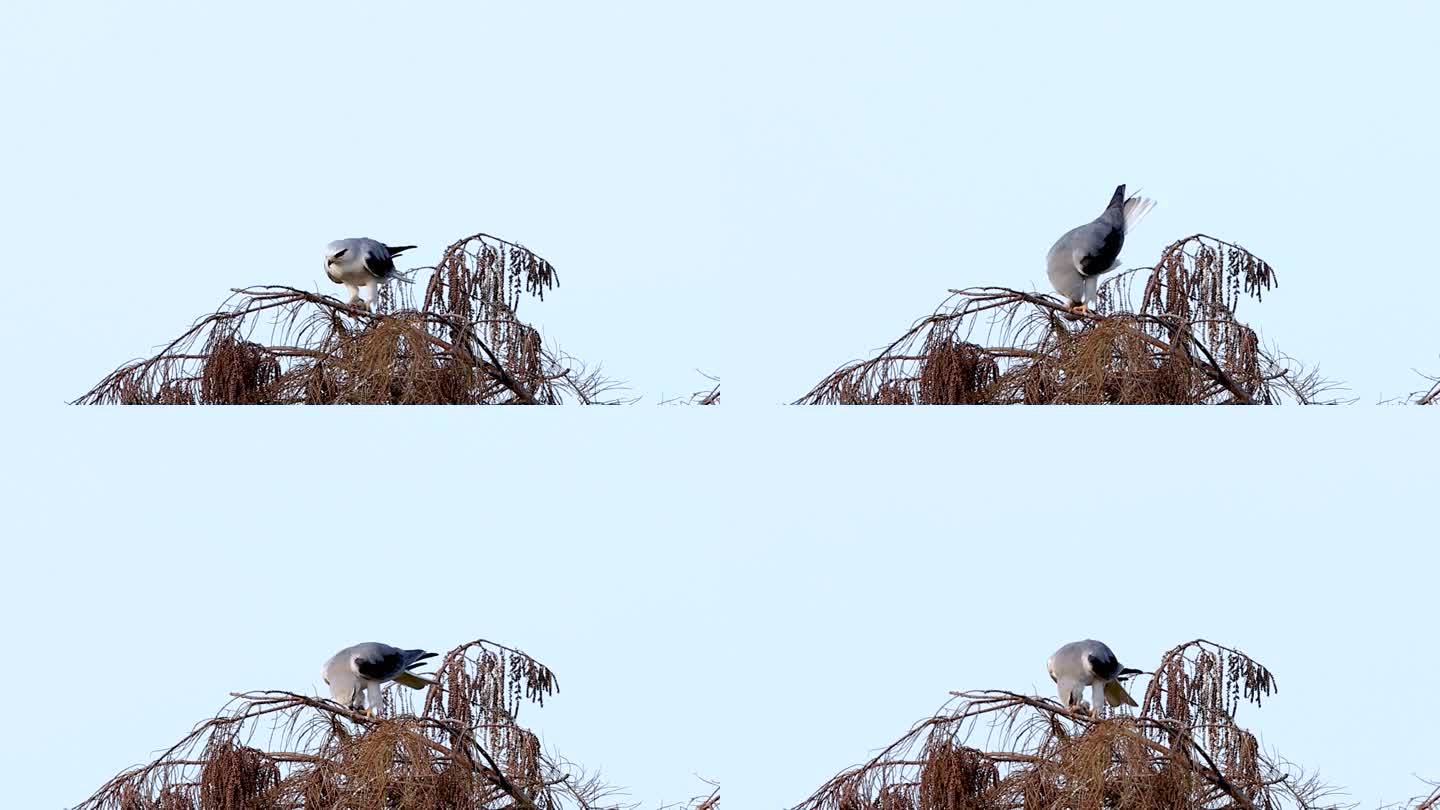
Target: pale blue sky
x=762 y=597
x=756 y=188
x=760 y=191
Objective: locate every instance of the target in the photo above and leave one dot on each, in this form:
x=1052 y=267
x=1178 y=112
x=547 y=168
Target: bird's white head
x=336 y=252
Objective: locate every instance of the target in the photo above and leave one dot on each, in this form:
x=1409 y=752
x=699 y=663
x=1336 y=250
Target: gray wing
x=378 y=262
x=1101 y=662
x=1082 y=661
x=381 y=662
x=1069 y=659
x=1095 y=247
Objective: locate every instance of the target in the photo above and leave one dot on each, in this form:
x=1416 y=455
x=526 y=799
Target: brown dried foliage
x=1182 y=749
x=464 y=345
x=1182 y=345
x=462 y=749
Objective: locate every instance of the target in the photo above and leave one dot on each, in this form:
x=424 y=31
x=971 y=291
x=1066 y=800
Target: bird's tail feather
x=402 y=276
x=1135 y=210
x=414 y=657
x=1128 y=671
x=397 y=250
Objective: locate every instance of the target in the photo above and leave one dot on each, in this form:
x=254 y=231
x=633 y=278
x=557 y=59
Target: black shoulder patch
x=1103 y=667
x=379 y=266
x=384 y=668
x=1099 y=262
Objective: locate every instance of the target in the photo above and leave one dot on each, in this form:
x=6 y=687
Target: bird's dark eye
x=342 y=252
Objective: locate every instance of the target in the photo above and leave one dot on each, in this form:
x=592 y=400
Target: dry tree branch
x=282 y=751
x=997 y=750
x=1431 y=397
x=709 y=801
x=705 y=396
x=1182 y=344
x=711 y=397
x=1427 y=801
x=463 y=344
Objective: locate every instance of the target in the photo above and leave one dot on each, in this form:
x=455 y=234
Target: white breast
x=351 y=270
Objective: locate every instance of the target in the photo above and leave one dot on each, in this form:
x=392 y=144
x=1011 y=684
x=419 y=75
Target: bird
x=357 y=672
x=1090 y=663
x=361 y=262
x=1078 y=259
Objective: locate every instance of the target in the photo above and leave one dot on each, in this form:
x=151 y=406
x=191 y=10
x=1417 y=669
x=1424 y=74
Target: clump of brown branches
x=461 y=345
x=280 y=750
x=1182 y=749
x=1182 y=344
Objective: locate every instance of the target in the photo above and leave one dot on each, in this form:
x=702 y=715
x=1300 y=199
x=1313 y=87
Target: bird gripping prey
x=1090 y=663
x=360 y=263
x=357 y=672
x=1077 y=260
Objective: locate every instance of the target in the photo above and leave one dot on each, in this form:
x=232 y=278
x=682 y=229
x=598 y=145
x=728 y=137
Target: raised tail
x=1118 y=199
x=1135 y=210
x=402 y=276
